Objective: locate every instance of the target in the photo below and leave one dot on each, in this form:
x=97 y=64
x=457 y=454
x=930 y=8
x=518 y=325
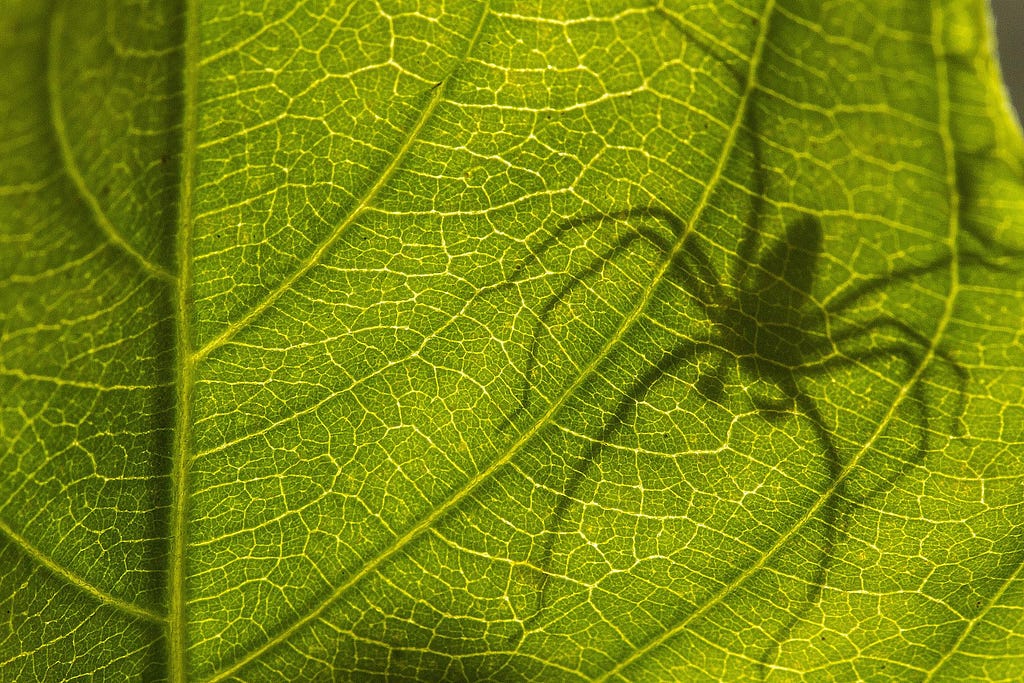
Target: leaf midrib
x=184 y=372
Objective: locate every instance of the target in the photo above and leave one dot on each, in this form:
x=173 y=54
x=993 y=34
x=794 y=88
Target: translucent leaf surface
x=547 y=341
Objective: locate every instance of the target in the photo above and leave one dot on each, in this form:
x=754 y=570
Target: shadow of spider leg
x=620 y=417
x=899 y=327
x=794 y=343
x=886 y=338
x=913 y=350
x=769 y=325
x=838 y=504
x=661 y=241
x=694 y=272
x=767 y=321
x=765 y=325
x=791 y=399
x=735 y=319
x=763 y=342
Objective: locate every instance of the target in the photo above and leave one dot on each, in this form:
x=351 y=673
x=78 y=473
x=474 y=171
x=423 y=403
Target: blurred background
x=1009 y=16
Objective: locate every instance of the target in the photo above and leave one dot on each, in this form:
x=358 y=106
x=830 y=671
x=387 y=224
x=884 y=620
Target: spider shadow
x=766 y=324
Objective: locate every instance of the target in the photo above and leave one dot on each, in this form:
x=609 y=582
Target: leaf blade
x=499 y=411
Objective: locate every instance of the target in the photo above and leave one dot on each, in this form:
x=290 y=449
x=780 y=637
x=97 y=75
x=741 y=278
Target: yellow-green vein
x=945 y=123
x=184 y=362
x=436 y=97
x=76 y=580
x=68 y=158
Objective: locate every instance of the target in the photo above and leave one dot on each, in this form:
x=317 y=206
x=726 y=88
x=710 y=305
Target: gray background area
x=1010 y=37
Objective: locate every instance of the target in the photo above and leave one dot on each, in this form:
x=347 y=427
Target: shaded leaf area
x=615 y=341
x=86 y=215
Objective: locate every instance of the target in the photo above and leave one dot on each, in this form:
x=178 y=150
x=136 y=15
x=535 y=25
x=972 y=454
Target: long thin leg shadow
x=625 y=408
x=594 y=268
x=833 y=512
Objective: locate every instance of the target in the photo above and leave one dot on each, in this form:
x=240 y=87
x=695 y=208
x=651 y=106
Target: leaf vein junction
x=317 y=255
x=76 y=580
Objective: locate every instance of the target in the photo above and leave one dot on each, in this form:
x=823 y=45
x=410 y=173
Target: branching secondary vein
x=71 y=166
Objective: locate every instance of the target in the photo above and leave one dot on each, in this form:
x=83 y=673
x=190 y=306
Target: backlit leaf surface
x=509 y=341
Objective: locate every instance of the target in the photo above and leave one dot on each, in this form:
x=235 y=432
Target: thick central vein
x=185 y=362
x=546 y=418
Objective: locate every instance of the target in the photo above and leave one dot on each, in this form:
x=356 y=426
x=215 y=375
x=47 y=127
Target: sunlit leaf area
x=509 y=340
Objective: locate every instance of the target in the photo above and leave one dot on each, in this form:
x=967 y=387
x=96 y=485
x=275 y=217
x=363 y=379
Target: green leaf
x=509 y=341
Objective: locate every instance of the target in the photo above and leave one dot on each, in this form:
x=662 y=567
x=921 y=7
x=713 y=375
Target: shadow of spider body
x=767 y=323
